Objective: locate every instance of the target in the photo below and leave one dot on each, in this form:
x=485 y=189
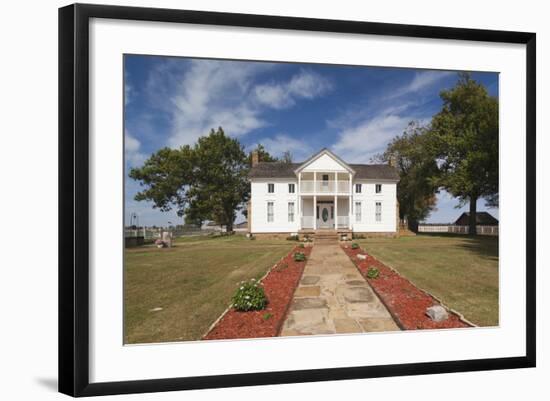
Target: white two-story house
x=324 y=192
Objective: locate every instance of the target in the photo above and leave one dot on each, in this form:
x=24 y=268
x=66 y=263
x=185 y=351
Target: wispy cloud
x=361 y=142
x=304 y=85
x=203 y=94
x=422 y=80
x=366 y=131
x=280 y=143
x=132 y=152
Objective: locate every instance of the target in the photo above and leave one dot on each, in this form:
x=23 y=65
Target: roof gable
x=324 y=160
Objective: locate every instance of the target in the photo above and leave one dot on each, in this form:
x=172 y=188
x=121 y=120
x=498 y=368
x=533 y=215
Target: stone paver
x=333 y=297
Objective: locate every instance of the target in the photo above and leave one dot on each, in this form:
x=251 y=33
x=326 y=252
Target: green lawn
x=460 y=270
x=192 y=282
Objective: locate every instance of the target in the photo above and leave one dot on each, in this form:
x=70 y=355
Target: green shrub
x=293 y=238
x=373 y=272
x=249 y=296
x=355 y=245
x=301 y=246
x=267 y=316
x=299 y=257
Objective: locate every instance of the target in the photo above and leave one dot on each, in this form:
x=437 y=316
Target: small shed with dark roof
x=482 y=219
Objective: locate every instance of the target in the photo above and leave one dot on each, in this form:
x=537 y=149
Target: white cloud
x=132 y=152
x=203 y=94
x=421 y=80
x=304 y=85
x=212 y=94
x=280 y=143
x=358 y=144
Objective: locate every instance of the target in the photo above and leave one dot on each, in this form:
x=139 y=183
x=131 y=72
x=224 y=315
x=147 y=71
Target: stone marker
x=437 y=313
x=361 y=256
x=167 y=238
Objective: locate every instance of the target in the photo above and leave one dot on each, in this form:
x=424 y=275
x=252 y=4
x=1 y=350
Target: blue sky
x=352 y=110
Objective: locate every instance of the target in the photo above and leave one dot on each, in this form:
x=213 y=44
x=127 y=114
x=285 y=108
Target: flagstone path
x=333 y=297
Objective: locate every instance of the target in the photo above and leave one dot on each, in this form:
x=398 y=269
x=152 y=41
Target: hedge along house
x=322 y=193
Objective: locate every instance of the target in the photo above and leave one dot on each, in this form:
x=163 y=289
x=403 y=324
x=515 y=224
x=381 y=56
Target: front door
x=325 y=216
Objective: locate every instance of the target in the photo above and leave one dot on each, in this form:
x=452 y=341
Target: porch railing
x=307 y=222
x=340 y=186
x=343 y=221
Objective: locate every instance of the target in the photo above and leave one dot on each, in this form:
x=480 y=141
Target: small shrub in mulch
x=301 y=246
x=279 y=286
x=299 y=257
x=355 y=245
x=249 y=296
x=373 y=273
x=293 y=238
x=406 y=302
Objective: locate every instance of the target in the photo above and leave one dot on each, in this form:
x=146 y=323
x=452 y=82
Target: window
x=270 y=211
x=357 y=211
x=291 y=188
x=317 y=213
x=358 y=188
x=332 y=212
x=378 y=211
x=378 y=188
x=325 y=178
x=270 y=188
x=290 y=212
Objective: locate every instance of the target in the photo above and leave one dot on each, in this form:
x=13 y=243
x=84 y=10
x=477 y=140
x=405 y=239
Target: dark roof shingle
x=286 y=170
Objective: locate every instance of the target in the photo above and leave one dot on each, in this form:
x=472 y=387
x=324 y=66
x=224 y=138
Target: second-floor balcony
x=328 y=187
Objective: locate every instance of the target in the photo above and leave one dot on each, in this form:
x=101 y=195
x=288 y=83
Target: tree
x=410 y=154
x=464 y=135
x=204 y=182
x=287 y=157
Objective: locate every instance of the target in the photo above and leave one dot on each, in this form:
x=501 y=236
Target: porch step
x=326 y=236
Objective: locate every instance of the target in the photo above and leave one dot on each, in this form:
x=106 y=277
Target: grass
x=462 y=271
x=192 y=282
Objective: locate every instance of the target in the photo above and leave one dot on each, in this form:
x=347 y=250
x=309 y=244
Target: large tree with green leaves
x=464 y=135
x=411 y=154
x=205 y=182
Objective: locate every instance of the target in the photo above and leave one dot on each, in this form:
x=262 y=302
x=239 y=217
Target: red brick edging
x=406 y=302
x=279 y=286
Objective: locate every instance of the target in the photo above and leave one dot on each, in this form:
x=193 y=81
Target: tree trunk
x=413 y=225
x=229 y=227
x=473 y=215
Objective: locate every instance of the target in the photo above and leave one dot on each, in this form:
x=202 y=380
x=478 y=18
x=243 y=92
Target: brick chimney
x=255 y=158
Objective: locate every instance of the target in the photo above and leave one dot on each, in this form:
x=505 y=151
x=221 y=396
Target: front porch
x=325 y=213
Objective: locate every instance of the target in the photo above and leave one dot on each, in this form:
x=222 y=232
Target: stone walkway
x=333 y=297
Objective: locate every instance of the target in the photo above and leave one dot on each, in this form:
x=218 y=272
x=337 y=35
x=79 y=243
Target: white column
x=314 y=182
x=299 y=202
x=350 y=202
x=314 y=209
x=336 y=212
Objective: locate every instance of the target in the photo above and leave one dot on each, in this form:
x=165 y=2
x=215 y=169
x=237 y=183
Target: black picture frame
x=74 y=198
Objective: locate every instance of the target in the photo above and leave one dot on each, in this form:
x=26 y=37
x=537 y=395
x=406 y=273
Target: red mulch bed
x=279 y=286
x=406 y=302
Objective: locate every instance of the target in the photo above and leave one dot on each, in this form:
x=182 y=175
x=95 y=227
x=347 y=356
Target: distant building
x=482 y=219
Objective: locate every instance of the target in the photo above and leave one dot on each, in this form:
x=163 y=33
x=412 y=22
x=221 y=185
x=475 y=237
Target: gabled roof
x=273 y=170
x=322 y=152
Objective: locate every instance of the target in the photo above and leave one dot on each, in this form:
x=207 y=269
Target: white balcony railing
x=343 y=221
x=340 y=187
